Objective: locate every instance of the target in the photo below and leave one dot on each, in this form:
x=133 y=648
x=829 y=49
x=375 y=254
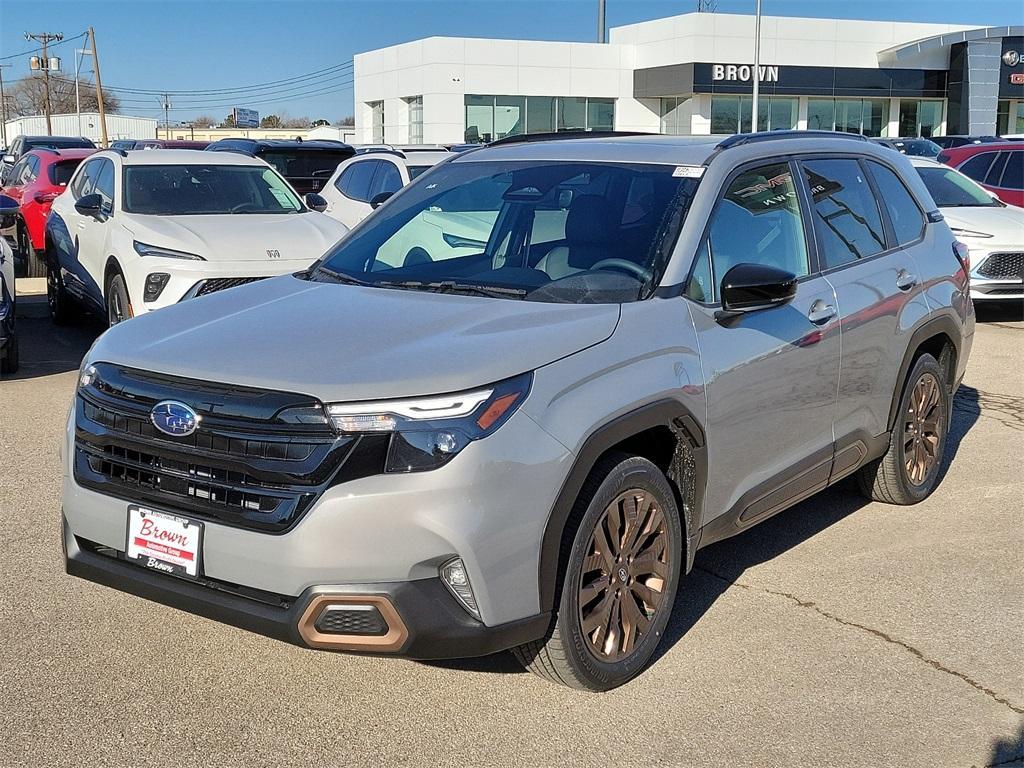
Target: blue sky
x=219 y=44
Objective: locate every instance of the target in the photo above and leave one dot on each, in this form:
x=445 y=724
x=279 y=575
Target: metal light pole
x=757 y=66
x=600 y=21
x=80 y=53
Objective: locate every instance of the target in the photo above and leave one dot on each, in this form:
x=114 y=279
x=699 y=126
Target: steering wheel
x=242 y=206
x=625 y=265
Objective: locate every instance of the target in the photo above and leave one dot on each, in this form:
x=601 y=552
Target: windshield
x=919 y=148
x=547 y=231
x=179 y=190
x=61 y=172
x=416 y=170
x=951 y=189
x=299 y=163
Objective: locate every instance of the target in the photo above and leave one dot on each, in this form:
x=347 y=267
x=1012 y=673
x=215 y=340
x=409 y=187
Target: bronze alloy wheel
x=624 y=575
x=923 y=428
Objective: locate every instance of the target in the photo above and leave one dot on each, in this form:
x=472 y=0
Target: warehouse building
x=87 y=124
x=692 y=74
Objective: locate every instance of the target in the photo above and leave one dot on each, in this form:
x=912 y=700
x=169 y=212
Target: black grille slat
x=352 y=621
x=223 y=283
x=1003 y=266
x=244 y=466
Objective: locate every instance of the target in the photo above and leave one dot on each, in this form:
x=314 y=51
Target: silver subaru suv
x=510 y=406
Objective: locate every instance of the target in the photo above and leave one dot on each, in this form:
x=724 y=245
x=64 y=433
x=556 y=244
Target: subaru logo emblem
x=174 y=418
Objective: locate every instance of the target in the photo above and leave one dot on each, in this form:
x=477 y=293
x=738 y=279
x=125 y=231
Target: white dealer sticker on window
x=688 y=171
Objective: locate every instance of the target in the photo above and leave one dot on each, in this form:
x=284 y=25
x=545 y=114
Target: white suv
x=362 y=182
x=140 y=231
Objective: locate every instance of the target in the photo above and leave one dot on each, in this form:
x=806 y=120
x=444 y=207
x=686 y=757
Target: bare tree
x=346 y=121
x=270 y=121
x=28 y=96
x=295 y=122
x=204 y=121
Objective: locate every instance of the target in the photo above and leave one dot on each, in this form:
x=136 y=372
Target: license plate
x=164 y=542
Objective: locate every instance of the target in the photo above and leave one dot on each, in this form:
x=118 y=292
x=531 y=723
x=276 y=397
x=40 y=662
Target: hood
x=1006 y=225
x=343 y=343
x=240 y=237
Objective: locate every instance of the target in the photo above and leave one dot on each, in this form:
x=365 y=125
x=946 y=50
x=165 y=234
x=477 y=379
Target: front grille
x=1004 y=291
x=223 y=283
x=1003 y=266
x=351 y=620
x=258 y=460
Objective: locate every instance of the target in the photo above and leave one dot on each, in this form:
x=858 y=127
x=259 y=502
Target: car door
x=770 y=375
x=76 y=236
x=93 y=231
x=349 y=200
x=878 y=288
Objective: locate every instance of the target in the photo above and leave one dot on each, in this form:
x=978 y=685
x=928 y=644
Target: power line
x=227 y=91
x=40 y=49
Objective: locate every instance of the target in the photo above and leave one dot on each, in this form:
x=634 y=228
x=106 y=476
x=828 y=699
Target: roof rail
x=752 y=138
x=530 y=137
x=119 y=150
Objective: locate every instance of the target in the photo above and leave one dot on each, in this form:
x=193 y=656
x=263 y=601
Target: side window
x=977 y=166
x=847 y=222
x=757 y=221
x=1013 y=174
x=31 y=169
x=388 y=179
x=83 y=183
x=105 y=183
x=355 y=182
x=995 y=171
x=17 y=171
x=906 y=217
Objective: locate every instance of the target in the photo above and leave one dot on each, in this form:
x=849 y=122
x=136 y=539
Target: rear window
x=305 y=163
x=59 y=142
x=61 y=173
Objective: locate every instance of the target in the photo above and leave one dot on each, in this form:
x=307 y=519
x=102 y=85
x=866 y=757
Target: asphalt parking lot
x=840 y=632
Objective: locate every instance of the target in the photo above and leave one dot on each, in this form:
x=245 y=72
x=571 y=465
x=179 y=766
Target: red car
x=35 y=181
x=999 y=168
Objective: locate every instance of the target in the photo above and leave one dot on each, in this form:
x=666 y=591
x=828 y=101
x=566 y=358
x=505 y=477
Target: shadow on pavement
x=1007 y=752
x=46 y=348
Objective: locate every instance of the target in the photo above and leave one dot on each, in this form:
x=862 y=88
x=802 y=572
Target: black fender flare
x=942 y=325
x=662 y=413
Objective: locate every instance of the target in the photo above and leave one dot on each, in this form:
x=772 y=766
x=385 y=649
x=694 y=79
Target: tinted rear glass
x=58 y=142
x=61 y=173
x=299 y=163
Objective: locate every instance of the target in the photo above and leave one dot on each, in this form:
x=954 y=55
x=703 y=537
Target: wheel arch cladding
x=111 y=268
x=665 y=433
x=941 y=338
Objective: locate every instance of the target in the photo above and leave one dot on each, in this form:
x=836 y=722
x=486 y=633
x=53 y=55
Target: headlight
x=86 y=375
x=427 y=432
x=165 y=253
x=968 y=233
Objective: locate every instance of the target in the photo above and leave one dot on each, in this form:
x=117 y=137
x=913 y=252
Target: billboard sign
x=246 y=118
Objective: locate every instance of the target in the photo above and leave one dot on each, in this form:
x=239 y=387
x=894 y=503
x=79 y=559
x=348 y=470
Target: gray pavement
x=840 y=633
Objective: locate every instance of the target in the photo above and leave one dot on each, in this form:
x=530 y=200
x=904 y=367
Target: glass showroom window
x=415 y=104
x=494 y=117
x=866 y=116
x=920 y=117
x=1009 y=117
x=732 y=114
x=377 y=121
x=675 y=115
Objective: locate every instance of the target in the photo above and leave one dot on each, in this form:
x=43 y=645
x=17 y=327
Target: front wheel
x=35 y=266
x=119 y=306
x=62 y=311
x=620 y=581
x=9 y=359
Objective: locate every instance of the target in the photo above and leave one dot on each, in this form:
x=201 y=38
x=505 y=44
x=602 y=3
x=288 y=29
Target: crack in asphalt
x=871 y=631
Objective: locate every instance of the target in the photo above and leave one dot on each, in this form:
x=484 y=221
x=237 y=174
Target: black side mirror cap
x=90 y=205
x=753 y=287
x=315 y=202
x=379 y=199
x=9 y=207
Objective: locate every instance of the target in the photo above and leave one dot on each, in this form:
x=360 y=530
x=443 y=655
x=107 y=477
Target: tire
x=607 y=655
x=35 y=266
x=9 y=360
x=61 y=305
x=119 y=306
x=898 y=477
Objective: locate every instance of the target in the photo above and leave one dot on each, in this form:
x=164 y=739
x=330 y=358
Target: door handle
x=820 y=312
x=905 y=281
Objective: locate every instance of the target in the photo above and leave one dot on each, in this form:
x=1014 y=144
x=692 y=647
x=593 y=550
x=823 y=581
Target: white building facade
x=691 y=74
x=86 y=124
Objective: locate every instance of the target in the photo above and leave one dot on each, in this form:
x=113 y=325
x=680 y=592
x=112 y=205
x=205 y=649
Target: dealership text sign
x=741 y=73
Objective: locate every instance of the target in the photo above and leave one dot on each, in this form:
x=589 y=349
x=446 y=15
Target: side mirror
x=8 y=208
x=752 y=287
x=10 y=159
x=315 y=202
x=379 y=199
x=90 y=205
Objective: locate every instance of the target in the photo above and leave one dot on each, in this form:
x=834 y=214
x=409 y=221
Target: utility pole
x=757 y=66
x=166 y=104
x=600 y=21
x=99 y=85
x=3 y=107
x=44 y=39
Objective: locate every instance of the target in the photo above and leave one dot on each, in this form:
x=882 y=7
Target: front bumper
x=186 y=276
x=998 y=283
x=433 y=624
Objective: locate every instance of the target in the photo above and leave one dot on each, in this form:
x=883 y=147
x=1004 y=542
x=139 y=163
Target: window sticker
x=688 y=171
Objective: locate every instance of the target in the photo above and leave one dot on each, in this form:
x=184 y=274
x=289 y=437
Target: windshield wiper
x=340 y=277
x=451 y=286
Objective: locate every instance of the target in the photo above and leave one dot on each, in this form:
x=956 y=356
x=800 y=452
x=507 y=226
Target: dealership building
x=691 y=74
